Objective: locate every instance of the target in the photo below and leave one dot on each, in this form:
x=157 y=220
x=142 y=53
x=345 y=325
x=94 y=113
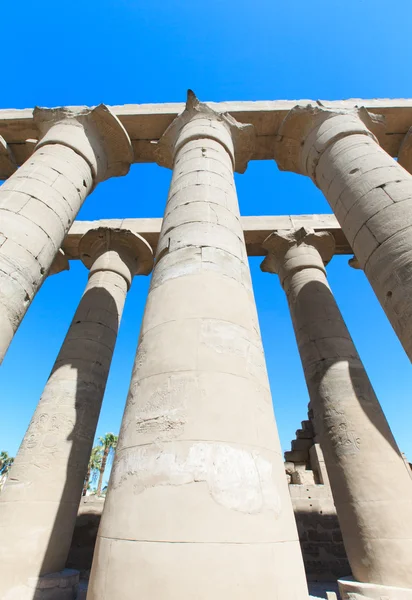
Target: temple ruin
x=199 y=505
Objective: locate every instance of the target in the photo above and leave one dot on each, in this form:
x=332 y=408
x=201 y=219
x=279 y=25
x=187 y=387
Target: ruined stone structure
x=198 y=504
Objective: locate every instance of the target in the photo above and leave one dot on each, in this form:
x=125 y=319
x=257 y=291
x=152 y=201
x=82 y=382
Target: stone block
x=62 y=585
x=354 y=590
x=301 y=444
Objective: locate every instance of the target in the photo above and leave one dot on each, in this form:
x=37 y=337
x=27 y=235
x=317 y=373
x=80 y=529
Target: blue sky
x=135 y=51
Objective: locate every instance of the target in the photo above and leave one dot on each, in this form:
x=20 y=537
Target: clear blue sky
x=137 y=51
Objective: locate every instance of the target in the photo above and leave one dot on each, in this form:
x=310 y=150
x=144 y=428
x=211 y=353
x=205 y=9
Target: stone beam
x=146 y=123
x=256 y=230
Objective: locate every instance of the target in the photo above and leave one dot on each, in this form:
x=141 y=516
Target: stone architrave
x=369 y=192
x=198 y=505
x=78 y=148
x=40 y=500
x=371 y=486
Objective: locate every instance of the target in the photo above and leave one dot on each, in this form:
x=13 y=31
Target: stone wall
x=85 y=533
x=318 y=526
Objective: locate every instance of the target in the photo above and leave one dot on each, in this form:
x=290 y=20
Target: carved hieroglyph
x=198 y=504
x=371 y=486
x=39 y=504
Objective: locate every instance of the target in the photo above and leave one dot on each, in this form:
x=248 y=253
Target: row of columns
x=370 y=482
x=39 y=504
x=39 y=202
x=198 y=481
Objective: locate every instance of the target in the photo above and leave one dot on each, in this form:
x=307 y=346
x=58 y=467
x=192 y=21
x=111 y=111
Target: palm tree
x=108 y=444
x=5 y=463
x=93 y=467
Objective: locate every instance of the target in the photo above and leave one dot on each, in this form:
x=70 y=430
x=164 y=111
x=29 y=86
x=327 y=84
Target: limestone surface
x=40 y=500
x=369 y=192
x=40 y=201
x=371 y=485
x=198 y=505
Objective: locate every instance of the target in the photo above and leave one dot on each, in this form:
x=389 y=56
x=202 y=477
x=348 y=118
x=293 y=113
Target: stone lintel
x=145 y=123
x=96 y=134
x=242 y=135
x=256 y=230
x=8 y=163
x=132 y=248
x=307 y=131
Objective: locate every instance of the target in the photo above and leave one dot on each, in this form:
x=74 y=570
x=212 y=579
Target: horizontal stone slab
x=145 y=123
x=256 y=230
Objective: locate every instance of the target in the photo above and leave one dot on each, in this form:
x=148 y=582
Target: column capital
x=8 y=164
x=59 y=264
x=296 y=249
x=94 y=133
x=405 y=151
x=118 y=250
x=198 y=121
x=307 y=131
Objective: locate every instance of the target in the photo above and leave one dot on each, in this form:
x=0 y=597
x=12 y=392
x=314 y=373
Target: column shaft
x=371 y=487
x=39 y=202
x=37 y=206
x=40 y=500
x=371 y=196
x=198 y=504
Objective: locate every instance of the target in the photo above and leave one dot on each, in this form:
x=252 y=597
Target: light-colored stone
x=145 y=123
x=255 y=229
x=371 y=487
x=7 y=161
x=354 y=590
x=198 y=504
x=62 y=585
x=59 y=264
x=369 y=192
x=77 y=149
x=40 y=500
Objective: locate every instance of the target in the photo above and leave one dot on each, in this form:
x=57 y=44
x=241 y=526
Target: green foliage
x=108 y=444
x=5 y=462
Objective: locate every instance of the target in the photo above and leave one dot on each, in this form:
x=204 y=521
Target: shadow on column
x=361 y=385
x=88 y=350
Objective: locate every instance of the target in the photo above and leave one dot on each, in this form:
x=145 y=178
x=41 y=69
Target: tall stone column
x=198 y=505
x=39 y=202
x=369 y=192
x=371 y=486
x=40 y=500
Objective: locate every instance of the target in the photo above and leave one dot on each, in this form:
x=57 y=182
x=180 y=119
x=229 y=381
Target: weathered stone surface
x=198 y=504
x=359 y=449
x=62 y=585
x=319 y=531
x=255 y=230
x=369 y=192
x=85 y=533
x=38 y=203
x=146 y=123
x=39 y=502
x=7 y=161
x=354 y=590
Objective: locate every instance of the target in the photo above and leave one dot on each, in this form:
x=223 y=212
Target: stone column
x=369 y=192
x=40 y=500
x=371 y=487
x=198 y=505
x=38 y=203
